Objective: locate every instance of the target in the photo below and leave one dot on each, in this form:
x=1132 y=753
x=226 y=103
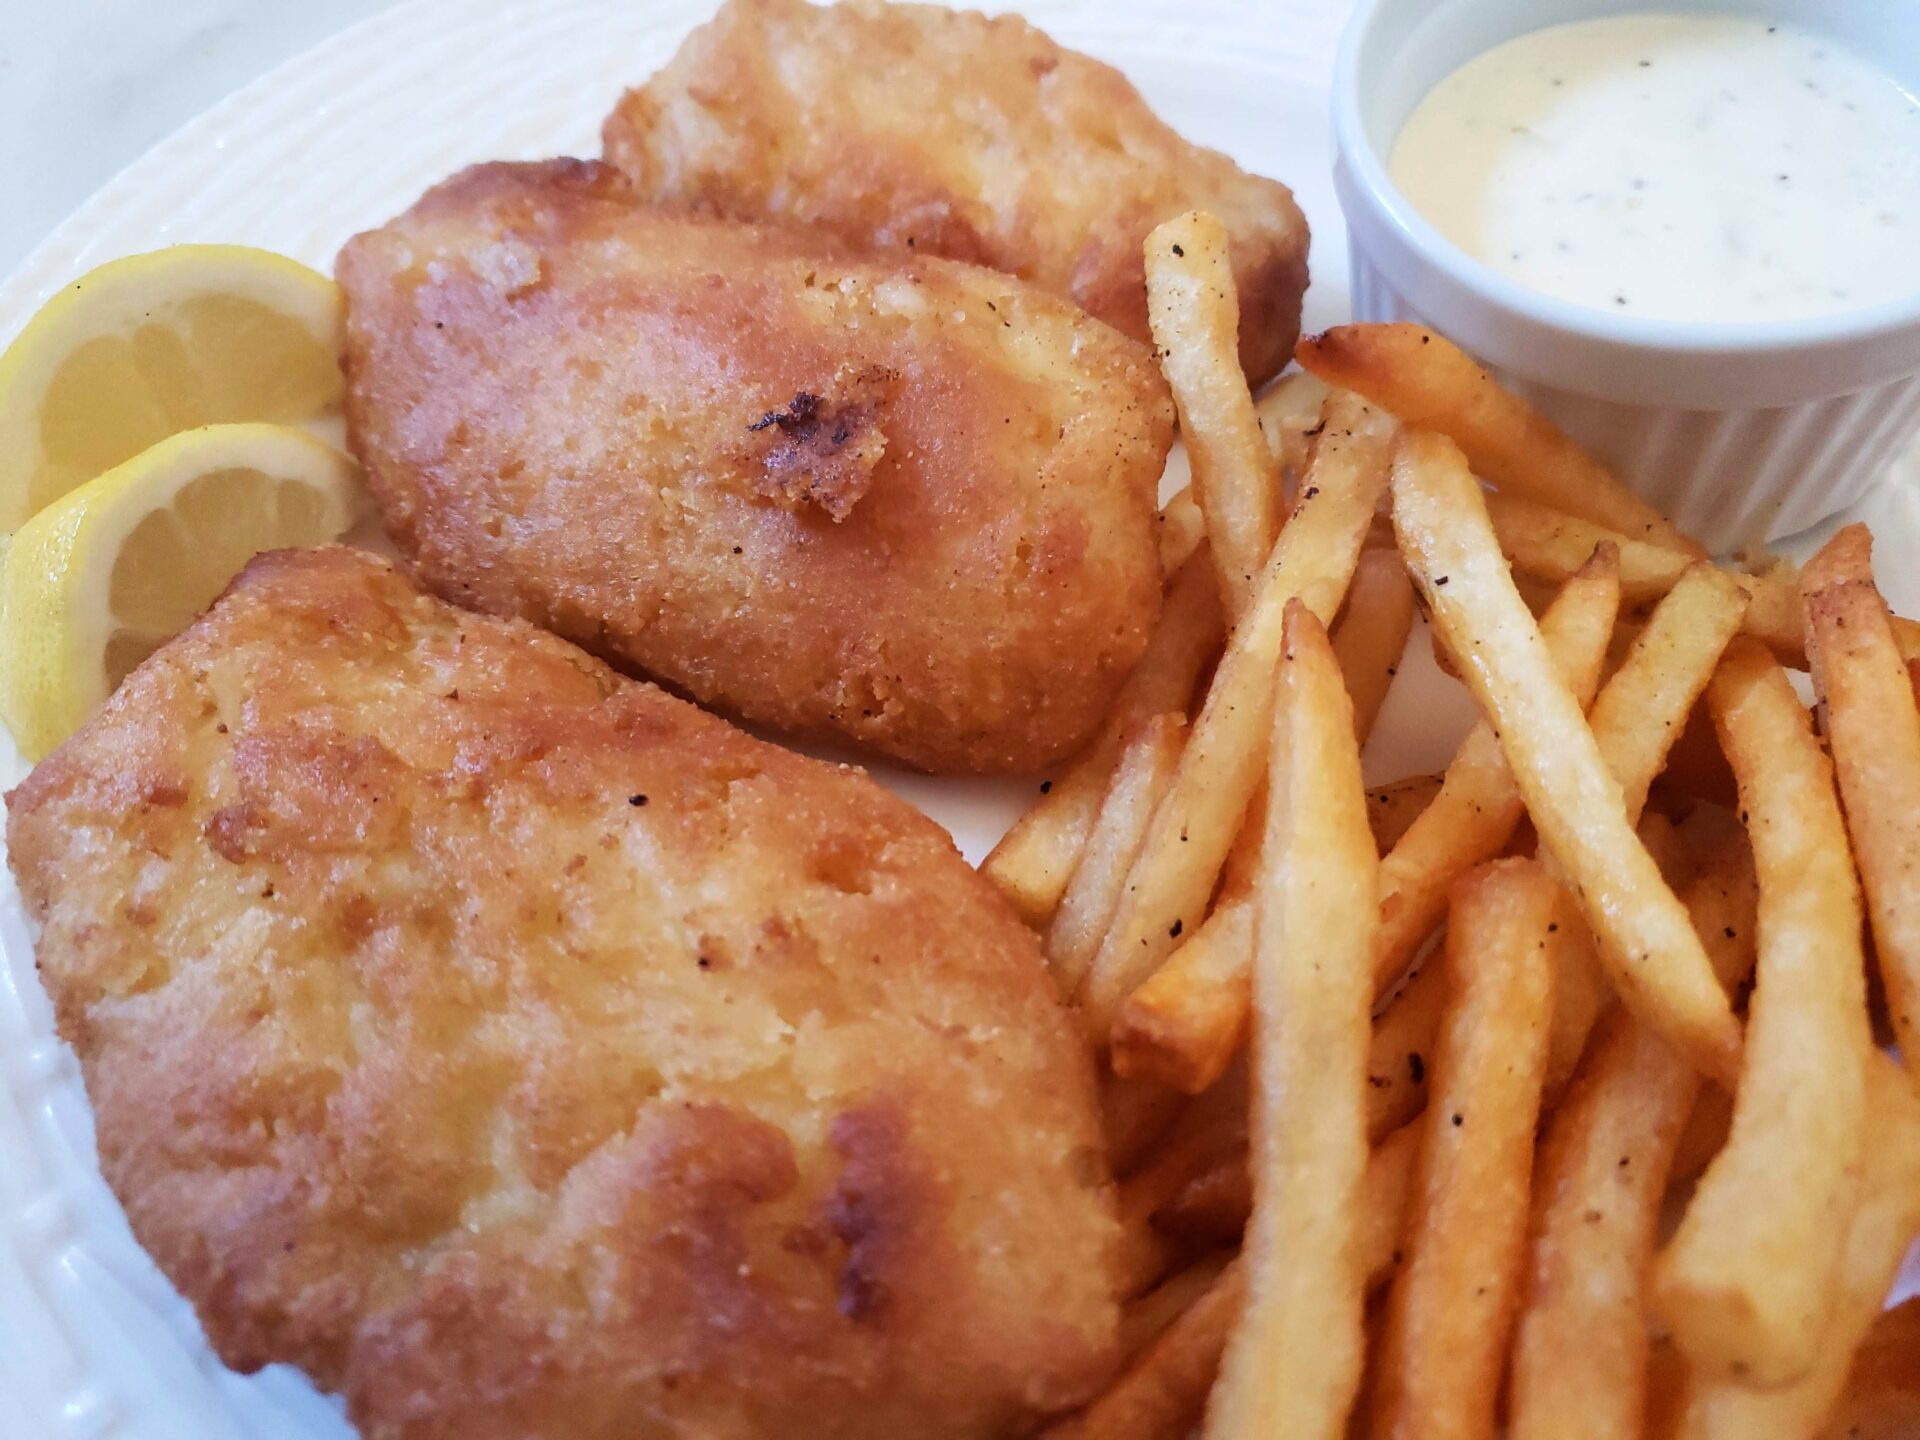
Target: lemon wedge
x=151 y=345
x=95 y=582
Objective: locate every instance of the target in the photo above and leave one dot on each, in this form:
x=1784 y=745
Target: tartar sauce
x=1683 y=167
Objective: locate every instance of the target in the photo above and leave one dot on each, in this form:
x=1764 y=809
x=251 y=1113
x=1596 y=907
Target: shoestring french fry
x=1289 y=412
x=1139 y=783
x=1443 y=1344
x=1225 y=758
x=1182 y=528
x=1295 y=1356
x=1392 y=808
x=1873 y=727
x=1429 y=383
x=1209 y=1132
x=1185 y=1021
x=1748 y=1279
x=1142 y=1320
x=1546 y=544
x=1400 y=1061
x=1479 y=805
x=1161 y=1393
x=1876 y=1238
x=1636 y=718
x=1580 y=1348
x=1652 y=956
x=1214 y=1205
x=1035 y=859
x=1643 y=707
x=1371 y=634
x=1213 y=1208
x=1194 y=311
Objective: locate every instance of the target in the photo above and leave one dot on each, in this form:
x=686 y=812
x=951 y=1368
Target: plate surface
x=94 y=1343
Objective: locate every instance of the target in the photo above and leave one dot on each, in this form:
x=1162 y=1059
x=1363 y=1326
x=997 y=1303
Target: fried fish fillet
x=894 y=499
x=949 y=133
x=524 y=1053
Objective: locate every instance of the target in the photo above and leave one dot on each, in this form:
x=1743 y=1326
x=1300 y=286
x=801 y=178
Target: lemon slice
x=95 y=582
x=151 y=345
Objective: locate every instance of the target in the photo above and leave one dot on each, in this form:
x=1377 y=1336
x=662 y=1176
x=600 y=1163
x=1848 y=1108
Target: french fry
x=1213 y=1206
x=1547 y=544
x=1444 y=1340
x=1184 y=1024
x=1383 y=1204
x=1429 y=383
x=1173 y=877
x=1211 y=1131
x=1139 y=784
x=1651 y=954
x=1881 y=1397
x=1580 y=994
x=1400 y=1062
x=1392 y=808
x=1161 y=1394
x=1668 y=848
x=1187 y=1020
x=1372 y=632
x=1133 y=1115
x=1748 y=1279
x=1294 y=1360
x=1641 y=710
x=1035 y=859
x=1142 y=1320
x=1882 y=1226
x=1579 y=1362
x=1289 y=413
x=1873 y=727
x=1479 y=805
x=1638 y=715
x=1181 y=527
x=1194 y=311
x=1212 y=1209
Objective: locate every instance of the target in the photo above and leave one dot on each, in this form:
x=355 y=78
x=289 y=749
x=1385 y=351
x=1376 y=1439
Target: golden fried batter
x=524 y=1053
x=948 y=133
x=895 y=499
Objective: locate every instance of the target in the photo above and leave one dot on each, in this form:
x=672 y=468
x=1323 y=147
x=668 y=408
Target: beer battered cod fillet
x=944 y=132
x=524 y=1053
x=894 y=499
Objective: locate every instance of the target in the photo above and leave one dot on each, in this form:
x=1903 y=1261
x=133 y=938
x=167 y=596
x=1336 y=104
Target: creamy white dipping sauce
x=1681 y=167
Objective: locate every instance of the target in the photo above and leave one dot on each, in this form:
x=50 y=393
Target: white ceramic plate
x=94 y=1344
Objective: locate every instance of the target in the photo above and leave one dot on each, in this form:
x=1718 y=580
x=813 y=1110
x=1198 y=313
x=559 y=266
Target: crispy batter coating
x=945 y=132
x=895 y=499
x=524 y=1053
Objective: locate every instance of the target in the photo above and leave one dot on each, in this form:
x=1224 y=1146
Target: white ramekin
x=1740 y=432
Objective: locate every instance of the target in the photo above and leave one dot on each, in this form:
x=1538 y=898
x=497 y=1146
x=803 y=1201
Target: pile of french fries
x=1541 y=1097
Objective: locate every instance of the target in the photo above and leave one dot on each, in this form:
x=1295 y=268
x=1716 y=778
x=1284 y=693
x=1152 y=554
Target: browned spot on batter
x=227 y=831
x=822 y=449
x=878 y=1208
